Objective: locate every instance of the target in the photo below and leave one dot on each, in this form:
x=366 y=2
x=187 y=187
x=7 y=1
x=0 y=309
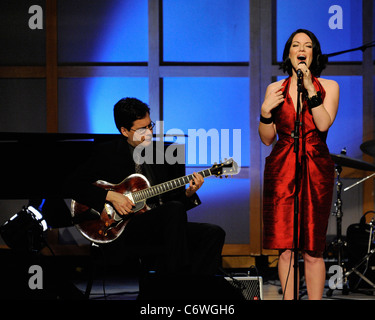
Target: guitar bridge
x=109 y=227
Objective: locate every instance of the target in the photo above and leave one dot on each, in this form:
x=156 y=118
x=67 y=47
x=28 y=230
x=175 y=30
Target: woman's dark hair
x=127 y=110
x=318 y=64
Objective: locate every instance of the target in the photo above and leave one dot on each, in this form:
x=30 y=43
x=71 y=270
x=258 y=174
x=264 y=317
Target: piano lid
x=34 y=165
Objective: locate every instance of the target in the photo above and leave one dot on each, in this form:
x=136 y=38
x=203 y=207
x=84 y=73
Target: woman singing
x=319 y=103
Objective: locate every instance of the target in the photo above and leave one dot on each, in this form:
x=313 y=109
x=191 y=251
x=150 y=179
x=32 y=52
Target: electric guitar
x=107 y=226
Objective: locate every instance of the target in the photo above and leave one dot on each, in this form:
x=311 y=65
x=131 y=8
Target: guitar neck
x=166 y=186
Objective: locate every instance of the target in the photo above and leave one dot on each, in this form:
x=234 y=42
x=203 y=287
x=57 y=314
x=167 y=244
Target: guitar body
x=108 y=225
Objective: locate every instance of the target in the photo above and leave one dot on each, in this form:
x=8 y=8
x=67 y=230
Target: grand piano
x=34 y=166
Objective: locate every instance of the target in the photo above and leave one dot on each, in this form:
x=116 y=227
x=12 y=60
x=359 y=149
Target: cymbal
x=345 y=161
x=368 y=147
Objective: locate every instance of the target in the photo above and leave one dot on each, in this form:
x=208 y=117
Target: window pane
x=23 y=105
x=102 y=31
x=86 y=105
x=206 y=30
x=333 y=37
x=347 y=131
x=21 y=45
x=212 y=110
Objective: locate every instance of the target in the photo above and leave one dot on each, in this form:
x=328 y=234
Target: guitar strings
x=166 y=186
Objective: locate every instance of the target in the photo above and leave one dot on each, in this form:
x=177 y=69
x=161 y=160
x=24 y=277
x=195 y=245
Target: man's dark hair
x=318 y=63
x=127 y=110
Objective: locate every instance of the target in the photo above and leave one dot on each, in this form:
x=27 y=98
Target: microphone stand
x=295 y=135
x=324 y=57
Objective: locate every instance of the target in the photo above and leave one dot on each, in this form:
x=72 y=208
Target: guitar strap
x=138 y=166
x=136 y=155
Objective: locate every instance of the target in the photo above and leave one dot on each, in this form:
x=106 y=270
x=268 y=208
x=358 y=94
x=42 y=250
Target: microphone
x=299 y=73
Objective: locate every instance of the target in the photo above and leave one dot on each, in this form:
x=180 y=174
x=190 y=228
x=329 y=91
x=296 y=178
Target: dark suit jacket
x=112 y=162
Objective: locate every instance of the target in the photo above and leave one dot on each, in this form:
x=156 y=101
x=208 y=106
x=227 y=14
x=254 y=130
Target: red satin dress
x=316 y=181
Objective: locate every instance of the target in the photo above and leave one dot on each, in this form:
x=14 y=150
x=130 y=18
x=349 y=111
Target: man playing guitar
x=189 y=248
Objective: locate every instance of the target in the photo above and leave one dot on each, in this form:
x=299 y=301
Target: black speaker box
x=250 y=287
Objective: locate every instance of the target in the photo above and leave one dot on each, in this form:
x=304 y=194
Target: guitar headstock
x=228 y=167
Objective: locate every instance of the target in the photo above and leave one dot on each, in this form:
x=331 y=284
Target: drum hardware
x=370 y=251
x=368 y=147
x=342 y=160
x=339 y=243
x=359 y=182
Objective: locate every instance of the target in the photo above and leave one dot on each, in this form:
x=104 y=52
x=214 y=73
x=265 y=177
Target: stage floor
x=127 y=288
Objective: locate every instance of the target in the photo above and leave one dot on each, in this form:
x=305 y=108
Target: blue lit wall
x=347 y=128
x=102 y=31
x=209 y=30
x=192 y=31
x=106 y=31
x=292 y=15
x=210 y=104
x=86 y=105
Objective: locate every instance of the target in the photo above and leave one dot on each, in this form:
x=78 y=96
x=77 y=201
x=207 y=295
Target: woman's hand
x=307 y=79
x=273 y=98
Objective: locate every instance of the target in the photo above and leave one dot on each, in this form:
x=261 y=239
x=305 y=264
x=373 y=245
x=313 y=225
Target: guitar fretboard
x=166 y=186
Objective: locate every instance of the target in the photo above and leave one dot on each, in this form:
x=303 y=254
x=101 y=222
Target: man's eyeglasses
x=144 y=129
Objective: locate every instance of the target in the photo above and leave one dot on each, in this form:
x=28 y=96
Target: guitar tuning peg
x=226 y=176
x=221 y=177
